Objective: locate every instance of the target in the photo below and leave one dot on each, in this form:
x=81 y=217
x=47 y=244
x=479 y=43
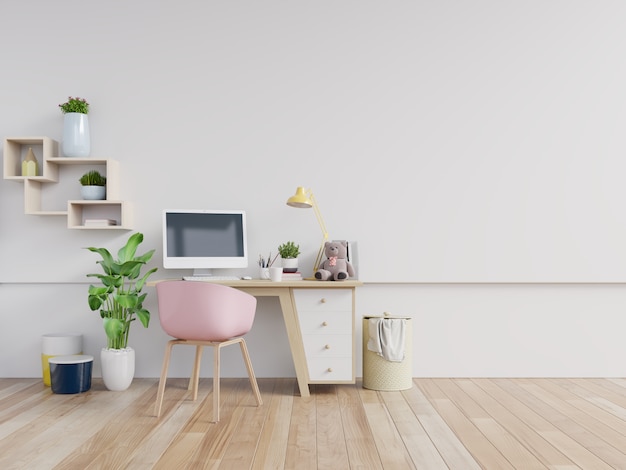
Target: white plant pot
x=93 y=192
x=290 y=265
x=76 y=139
x=118 y=368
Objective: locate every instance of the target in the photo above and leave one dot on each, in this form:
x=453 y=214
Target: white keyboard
x=211 y=278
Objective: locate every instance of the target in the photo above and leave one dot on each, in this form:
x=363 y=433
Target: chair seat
x=204 y=311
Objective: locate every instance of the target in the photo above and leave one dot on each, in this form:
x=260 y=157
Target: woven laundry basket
x=381 y=374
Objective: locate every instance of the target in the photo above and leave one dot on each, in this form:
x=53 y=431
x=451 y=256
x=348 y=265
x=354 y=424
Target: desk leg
x=288 y=306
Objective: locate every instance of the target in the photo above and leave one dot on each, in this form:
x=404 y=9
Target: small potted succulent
x=93 y=185
x=76 y=138
x=289 y=252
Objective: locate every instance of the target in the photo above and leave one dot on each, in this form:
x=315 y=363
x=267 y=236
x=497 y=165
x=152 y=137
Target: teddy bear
x=336 y=267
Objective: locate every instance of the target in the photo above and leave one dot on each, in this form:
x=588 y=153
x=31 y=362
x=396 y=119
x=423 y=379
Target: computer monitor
x=204 y=240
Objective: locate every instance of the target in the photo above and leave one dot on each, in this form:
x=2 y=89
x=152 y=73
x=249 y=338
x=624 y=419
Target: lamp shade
x=300 y=199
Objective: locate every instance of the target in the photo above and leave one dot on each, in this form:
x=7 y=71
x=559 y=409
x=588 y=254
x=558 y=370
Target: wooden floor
x=438 y=424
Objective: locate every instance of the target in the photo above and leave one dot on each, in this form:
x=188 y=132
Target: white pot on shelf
x=118 y=368
x=93 y=193
x=76 y=140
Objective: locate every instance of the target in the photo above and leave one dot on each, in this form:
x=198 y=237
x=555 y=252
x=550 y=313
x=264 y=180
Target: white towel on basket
x=386 y=337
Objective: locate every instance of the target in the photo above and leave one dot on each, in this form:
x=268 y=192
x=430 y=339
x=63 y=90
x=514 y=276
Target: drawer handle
x=327 y=346
x=323 y=300
x=330 y=369
x=324 y=323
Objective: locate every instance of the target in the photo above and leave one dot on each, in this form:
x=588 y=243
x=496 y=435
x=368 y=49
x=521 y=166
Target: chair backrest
x=204 y=311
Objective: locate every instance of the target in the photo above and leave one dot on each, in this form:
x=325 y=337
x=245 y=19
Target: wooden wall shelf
x=46 y=149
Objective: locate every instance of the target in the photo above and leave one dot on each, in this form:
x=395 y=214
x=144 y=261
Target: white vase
x=76 y=140
x=93 y=192
x=118 y=368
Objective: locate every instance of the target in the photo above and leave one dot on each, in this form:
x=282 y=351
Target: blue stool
x=70 y=374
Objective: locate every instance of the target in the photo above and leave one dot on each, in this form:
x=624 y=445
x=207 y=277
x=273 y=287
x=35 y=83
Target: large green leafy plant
x=119 y=299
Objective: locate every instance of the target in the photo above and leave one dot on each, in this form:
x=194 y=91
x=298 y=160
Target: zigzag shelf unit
x=46 y=149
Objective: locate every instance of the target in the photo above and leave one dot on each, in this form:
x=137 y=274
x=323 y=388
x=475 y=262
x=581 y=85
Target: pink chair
x=205 y=314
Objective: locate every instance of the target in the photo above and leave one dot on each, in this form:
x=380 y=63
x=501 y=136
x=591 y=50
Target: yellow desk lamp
x=304 y=199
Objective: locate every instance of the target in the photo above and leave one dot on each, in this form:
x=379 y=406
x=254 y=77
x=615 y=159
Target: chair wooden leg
x=195 y=375
x=216 y=381
x=163 y=379
x=253 y=382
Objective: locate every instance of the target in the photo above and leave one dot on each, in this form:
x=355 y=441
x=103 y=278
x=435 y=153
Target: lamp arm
x=318 y=259
x=318 y=214
x=320 y=220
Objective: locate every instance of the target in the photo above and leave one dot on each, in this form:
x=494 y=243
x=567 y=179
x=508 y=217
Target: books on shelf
x=297 y=276
x=100 y=222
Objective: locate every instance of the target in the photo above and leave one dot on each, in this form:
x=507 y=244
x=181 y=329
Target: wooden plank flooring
x=438 y=424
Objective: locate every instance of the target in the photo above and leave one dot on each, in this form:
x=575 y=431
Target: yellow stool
x=58 y=345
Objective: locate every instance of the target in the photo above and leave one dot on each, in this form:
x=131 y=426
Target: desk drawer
x=331 y=369
x=325 y=322
x=327 y=345
x=323 y=300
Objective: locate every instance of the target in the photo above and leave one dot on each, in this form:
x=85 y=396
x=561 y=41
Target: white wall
x=233 y=104
x=459 y=330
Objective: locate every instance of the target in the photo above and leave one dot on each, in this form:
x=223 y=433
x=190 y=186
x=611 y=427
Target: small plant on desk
x=289 y=250
x=289 y=253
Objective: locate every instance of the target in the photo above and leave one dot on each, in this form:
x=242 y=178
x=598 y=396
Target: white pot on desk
x=290 y=265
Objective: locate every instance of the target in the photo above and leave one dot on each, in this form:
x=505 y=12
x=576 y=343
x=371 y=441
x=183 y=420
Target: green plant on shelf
x=75 y=105
x=93 y=178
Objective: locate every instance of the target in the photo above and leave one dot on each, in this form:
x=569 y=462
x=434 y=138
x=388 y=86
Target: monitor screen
x=204 y=239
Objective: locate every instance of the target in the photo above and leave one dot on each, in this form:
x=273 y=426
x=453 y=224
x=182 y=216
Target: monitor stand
x=203 y=272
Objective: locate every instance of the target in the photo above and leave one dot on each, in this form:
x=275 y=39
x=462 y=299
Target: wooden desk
x=324 y=307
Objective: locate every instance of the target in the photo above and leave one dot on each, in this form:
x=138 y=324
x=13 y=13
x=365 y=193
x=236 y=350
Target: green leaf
x=127 y=252
x=107 y=258
x=142 y=281
x=126 y=300
x=144 y=317
x=113 y=327
x=131 y=269
x=94 y=290
x=94 y=302
x=146 y=256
